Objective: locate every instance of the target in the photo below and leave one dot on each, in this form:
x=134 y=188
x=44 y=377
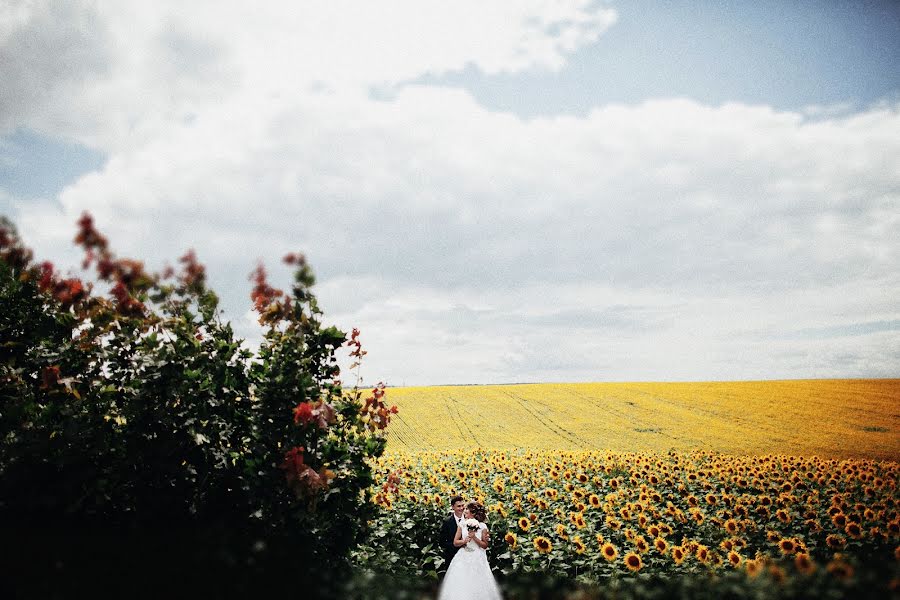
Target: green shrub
x=137 y=436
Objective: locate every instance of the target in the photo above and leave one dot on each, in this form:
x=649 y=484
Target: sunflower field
x=844 y=418
x=646 y=524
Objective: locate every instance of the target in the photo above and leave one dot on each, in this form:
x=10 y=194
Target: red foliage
x=89 y=237
x=354 y=343
x=378 y=412
x=194 y=273
x=294 y=259
x=125 y=304
x=293 y=464
x=303 y=413
x=49 y=377
x=320 y=412
x=303 y=479
x=12 y=251
x=267 y=300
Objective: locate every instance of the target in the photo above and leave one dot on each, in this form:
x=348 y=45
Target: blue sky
x=572 y=191
x=779 y=53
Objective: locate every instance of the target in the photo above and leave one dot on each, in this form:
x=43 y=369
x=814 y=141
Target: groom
x=448 y=530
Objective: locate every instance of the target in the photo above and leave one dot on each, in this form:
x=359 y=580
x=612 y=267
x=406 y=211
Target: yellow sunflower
x=510 y=538
x=579 y=545
x=753 y=567
x=804 y=563
x=542 y=544
x=787 y=546
x=609 y=552
x=633 y=562
x=853 y=530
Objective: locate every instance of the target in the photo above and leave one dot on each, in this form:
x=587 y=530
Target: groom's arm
x=446 y=536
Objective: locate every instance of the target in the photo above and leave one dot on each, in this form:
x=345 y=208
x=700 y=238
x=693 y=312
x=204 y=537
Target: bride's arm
x=485 y=539
x=458 y=541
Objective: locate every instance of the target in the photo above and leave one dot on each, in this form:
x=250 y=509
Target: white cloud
x=664 y=240
x=117 y=74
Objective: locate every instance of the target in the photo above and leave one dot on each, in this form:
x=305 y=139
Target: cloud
x=117 y=74
x=48 y=50
x=662 y=240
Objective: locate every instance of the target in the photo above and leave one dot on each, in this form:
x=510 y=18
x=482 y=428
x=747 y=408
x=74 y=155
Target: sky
x=492 y=192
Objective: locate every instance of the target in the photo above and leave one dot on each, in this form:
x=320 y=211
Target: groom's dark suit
x=448 y=532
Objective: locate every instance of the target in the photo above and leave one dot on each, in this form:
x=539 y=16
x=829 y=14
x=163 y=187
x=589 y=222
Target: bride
x=469 y=575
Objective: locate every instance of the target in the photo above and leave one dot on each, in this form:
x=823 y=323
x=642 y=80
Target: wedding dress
x=469 y=575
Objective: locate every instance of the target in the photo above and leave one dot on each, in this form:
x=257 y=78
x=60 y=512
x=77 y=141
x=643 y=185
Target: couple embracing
x=464 y=539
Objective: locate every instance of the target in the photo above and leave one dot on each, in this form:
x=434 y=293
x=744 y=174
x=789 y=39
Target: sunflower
x=542 y=544
x=839 y=520
x=894 y=528
x=753 y=567
x=853 y=530
x=510 y=538
x=654 y=531
x=600 y=538
x=641 y=545
x=579 y=545
x=804 y=563
x=783 y=515
x=661 y=545
x=524 y=524
x=633 y=562
x=594 y=500
x=787 y=545
x=777 y=574
x=609 y=552
x=734 y=558
x=840 y=568
x=731 y=526
x=678 y=555
x=702 y=553
x=561 y=531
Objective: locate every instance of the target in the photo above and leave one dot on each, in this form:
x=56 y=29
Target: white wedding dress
x=469 y=575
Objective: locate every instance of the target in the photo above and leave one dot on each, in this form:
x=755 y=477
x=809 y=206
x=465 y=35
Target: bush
x=138 y=437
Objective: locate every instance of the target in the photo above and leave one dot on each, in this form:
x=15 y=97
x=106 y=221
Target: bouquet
x=472 y=524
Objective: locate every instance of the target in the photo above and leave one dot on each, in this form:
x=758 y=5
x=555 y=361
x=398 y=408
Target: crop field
x=827 y=418
x=747 y=489
x=761 y=526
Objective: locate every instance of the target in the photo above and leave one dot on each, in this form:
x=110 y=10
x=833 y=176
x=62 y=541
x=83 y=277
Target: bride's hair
x=477 y=511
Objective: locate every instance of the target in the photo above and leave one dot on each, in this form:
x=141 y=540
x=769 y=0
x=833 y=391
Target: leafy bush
x=137 y=436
